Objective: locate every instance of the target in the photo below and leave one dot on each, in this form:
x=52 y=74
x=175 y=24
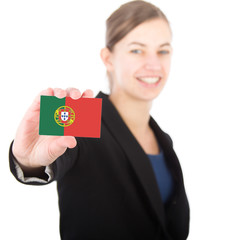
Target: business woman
x=128 y=184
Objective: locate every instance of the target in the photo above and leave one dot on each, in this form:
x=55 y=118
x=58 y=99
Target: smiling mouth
x=149 y=80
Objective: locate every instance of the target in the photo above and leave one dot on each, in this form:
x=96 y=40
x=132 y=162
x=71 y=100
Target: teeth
x=150 y=79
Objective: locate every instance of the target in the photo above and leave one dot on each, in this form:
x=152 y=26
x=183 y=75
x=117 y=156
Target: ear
x=106 y=57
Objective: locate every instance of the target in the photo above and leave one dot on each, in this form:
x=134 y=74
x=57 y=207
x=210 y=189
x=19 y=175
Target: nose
x=153 y=63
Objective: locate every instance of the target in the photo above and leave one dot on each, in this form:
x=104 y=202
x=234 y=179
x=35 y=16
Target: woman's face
x=140 y=62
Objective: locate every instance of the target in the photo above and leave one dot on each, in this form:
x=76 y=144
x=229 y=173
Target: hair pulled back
x=127 y=17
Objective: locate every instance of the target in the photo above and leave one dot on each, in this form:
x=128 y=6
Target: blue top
x=163 y=175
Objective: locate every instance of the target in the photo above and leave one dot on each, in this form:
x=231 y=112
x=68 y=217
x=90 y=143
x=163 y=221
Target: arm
x=42 y=175
x=30 y=154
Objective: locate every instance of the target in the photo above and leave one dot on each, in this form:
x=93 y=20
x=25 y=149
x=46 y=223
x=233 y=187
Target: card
x=69 y=117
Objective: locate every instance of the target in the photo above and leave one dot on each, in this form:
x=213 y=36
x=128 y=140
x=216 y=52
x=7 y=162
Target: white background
x=57 y=43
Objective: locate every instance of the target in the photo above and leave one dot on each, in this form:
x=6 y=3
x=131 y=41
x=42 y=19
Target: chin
x=147 y=96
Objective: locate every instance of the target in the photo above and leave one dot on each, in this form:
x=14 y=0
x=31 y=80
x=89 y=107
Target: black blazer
x=107 y=188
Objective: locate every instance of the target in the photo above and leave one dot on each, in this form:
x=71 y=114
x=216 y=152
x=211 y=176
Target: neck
x=134 y=112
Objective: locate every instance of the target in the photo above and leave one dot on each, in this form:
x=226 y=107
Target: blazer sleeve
x=53 y=172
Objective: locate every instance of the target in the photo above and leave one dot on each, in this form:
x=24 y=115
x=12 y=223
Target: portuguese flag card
x=69 y=117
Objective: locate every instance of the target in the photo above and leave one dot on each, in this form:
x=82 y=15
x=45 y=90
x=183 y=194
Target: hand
x=33 y=151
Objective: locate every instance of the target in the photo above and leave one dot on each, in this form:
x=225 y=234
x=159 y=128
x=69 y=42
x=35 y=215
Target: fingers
x=88 y=94
x=74 y=93
x=47 y=92
x=59 y=93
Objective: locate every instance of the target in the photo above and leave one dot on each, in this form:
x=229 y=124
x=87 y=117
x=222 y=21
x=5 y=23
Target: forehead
x=156 y=31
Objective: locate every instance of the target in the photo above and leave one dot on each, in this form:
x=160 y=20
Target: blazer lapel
x=135 y=154
x=170 y=155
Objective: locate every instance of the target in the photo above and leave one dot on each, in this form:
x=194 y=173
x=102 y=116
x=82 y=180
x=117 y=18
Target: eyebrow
x=144 y=45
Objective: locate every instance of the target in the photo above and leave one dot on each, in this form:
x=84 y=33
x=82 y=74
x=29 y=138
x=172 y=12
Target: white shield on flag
x=64 y=116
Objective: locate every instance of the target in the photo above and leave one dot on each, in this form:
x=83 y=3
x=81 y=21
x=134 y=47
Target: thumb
x=67 y=141
x=59 y=146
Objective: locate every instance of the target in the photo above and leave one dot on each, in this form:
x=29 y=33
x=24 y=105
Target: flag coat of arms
x=69 y=117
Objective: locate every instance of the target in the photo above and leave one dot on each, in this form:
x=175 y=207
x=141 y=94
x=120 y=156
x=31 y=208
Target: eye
x=164 y=52
x=136 y=51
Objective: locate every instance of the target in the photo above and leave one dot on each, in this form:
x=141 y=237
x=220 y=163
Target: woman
x=128 y=184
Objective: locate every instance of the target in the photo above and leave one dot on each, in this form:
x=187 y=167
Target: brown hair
x=127 y=17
